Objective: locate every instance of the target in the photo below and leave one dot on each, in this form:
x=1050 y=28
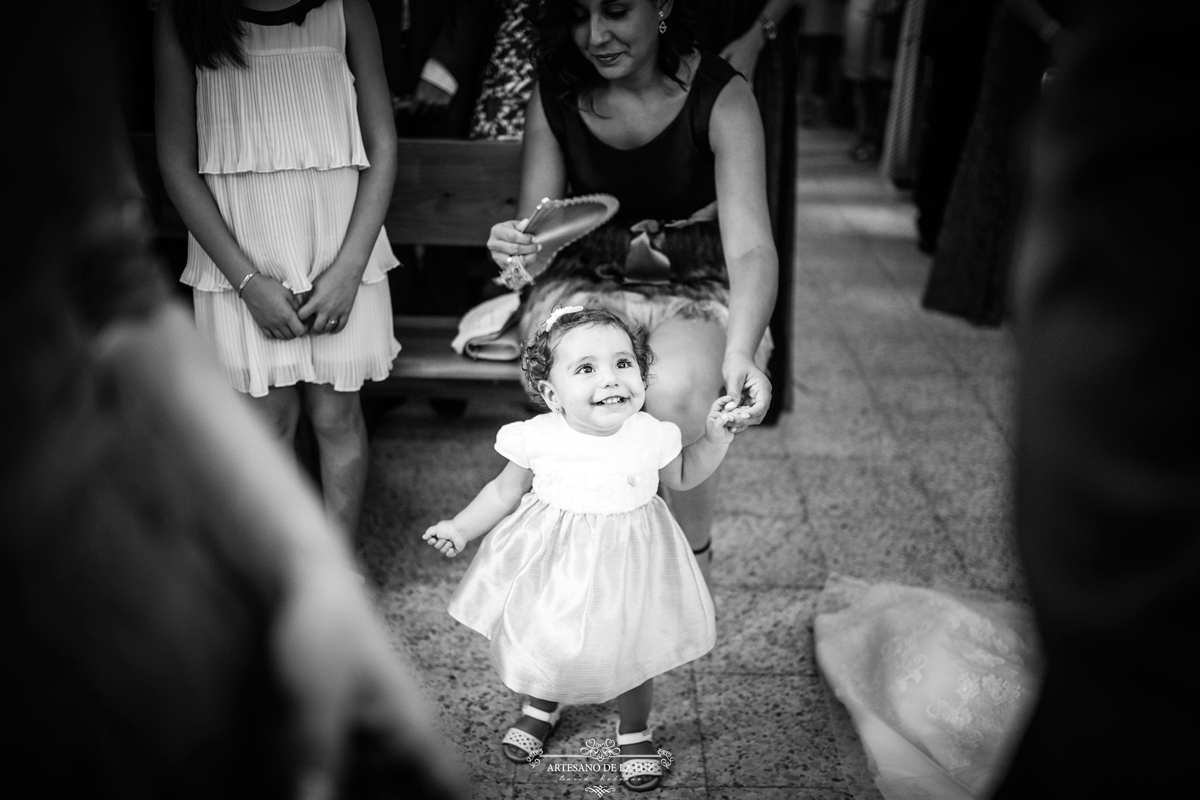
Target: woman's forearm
x=753 y=286
x=370 y=208
x=203 y=219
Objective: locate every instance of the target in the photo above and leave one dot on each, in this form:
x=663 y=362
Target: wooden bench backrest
x=448 y=191
x=451 y=192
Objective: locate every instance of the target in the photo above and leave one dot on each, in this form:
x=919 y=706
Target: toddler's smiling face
x=595 y=380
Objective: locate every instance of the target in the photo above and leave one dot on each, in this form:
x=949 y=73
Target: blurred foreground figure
x=1108 y=514
x=177 y=618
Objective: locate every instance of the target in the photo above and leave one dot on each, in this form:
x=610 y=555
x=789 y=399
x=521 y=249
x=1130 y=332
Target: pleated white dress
x=280 y=149
x=589 y=588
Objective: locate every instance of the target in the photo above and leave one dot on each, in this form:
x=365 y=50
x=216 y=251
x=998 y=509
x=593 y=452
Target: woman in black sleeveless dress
x=629 y=106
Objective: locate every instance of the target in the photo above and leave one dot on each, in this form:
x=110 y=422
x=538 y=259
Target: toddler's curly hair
x=537 y=355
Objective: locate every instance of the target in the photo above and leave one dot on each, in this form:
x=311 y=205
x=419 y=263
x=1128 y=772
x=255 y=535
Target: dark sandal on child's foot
x=517 y=745
x=640 y=773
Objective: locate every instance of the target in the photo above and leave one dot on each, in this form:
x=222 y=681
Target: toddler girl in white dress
x=587 y=587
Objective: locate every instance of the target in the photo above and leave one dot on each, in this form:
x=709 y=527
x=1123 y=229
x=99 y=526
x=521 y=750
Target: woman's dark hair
x=556 y=56
x=210 y=31
x=537 y=356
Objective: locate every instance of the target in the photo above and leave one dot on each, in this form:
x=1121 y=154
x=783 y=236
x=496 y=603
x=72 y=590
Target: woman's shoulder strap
x=712 y=75
x=555 y=102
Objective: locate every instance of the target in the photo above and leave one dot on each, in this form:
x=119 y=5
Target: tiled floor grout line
x=905 y=451
x=699 y=726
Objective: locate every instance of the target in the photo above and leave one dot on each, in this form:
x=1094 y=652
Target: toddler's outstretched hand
x=723 y=419
x=446 y=538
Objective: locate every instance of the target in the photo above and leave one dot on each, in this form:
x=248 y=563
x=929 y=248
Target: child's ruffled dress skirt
x=588 y=589
x=280 y=149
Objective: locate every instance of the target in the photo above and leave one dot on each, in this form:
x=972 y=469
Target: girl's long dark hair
x=210 y=31
x=558 y=59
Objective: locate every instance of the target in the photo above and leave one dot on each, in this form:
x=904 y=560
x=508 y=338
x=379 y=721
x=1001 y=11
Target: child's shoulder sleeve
x=510 y=443
x=670 y=442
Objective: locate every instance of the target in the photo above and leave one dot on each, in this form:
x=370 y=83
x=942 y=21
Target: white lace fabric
x=937 y=684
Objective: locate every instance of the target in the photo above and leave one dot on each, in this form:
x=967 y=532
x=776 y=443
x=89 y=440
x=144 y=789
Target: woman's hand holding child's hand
x=752 y=387
x=273 y=308
x=446 y=538
x=725 y=418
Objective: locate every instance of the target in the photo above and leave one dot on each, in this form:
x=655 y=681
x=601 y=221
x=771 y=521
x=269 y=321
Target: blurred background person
x=871 y=30
x=901 y=138
x=508 y=76
x=179 y=617
x=1108 y=455
x=969 y=276
x=953 y=41
x=821 y=31
x=433 y=54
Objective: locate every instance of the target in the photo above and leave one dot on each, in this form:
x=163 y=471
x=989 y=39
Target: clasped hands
x=282 y=314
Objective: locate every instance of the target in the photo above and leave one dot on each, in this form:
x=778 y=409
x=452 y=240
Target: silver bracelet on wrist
x=245 y=280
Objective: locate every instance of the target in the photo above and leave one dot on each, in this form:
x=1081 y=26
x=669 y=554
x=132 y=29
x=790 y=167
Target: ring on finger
x=508 y=260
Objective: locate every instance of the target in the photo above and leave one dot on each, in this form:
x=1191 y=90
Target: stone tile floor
x=893 y=465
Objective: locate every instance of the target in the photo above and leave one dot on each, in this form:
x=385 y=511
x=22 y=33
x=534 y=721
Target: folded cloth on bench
x=489 y=330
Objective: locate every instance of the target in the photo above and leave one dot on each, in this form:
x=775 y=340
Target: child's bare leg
x=634 y=708
x=280 y=409
x=341 y=434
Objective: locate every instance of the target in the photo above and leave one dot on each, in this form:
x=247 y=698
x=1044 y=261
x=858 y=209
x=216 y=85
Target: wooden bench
x=451 y=192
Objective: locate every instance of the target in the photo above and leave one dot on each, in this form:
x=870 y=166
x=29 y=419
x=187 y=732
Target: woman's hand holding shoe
x=508 y=241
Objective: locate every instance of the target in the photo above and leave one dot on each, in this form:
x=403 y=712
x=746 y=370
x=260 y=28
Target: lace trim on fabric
x=597 y=494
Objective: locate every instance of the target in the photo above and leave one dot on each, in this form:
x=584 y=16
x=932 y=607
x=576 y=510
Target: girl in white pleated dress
x=277 y=147
x=586 y=586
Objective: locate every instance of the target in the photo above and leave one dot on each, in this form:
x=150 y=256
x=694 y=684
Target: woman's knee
x=333 y=413
x=683 y=397
x=686 y=373
x=280 y=410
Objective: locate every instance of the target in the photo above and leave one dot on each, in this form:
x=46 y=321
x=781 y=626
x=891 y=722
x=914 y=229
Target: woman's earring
x=662 y=22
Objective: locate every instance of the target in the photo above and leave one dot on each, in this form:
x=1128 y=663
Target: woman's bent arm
x=736 y=136
x=543 y=168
